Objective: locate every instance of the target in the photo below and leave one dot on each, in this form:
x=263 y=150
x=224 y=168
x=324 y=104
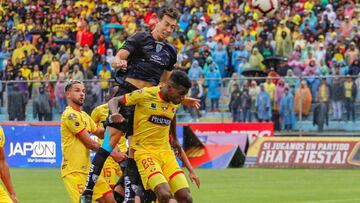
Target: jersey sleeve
x=2 y=137
x=93 y=126
x=134 y=97
x=74 y=123
x=132 y=42
x=95 y=115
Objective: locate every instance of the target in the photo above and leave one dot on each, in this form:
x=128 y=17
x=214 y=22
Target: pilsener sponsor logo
x=160 y=120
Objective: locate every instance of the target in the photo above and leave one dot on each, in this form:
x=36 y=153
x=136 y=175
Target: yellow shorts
x=4 y=197
x=160 y=167
x=111 y=172
x=75 y=185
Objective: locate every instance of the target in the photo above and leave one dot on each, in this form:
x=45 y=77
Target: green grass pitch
x=227 y=186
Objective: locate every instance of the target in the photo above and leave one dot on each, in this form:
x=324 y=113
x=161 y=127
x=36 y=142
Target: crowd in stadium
x=306 y=40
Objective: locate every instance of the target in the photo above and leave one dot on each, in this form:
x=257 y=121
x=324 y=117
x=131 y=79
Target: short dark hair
x=70 y=83
x=180 y=78
x=170 y=11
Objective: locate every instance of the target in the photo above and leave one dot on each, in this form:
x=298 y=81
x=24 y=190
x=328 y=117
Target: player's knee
x=163 y=193
x=183 y=196
x=188 y=199
x=164 y=196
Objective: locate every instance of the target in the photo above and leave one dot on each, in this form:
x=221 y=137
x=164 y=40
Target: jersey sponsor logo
x=38 y=149
x=156 y=59
x=160 y=120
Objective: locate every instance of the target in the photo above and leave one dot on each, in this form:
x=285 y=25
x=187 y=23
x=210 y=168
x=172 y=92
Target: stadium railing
x=15 y=93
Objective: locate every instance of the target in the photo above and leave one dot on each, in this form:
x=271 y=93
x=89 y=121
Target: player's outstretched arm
x=5 y=176
x=192 y=174
x=179 y=151
x=189 y=101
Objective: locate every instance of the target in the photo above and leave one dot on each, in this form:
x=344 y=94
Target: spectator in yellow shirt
x=77 y=74
x=309 y=5
x=84 y=60
x=104 y=76
x=88 y=52
x=55 y=65
x=37 y=75
x=270 y=88
x=46 y=58
x=18 y=53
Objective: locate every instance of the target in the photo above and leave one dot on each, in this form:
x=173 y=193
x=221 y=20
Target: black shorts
x=126 y=111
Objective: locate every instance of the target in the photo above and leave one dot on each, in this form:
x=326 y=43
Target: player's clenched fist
x=119 y=63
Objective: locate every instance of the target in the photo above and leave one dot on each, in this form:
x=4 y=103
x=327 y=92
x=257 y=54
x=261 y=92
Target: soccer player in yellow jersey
x=111 y=170
x=75 y=144
x=155 y=108
x=5 y=174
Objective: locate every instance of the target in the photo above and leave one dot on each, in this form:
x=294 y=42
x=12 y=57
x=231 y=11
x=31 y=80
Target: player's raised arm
x=5 y=174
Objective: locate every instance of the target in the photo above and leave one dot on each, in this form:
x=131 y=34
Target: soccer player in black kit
x=148 y=59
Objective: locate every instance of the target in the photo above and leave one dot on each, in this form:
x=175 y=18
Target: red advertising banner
x=252 y=130
x=305 y=152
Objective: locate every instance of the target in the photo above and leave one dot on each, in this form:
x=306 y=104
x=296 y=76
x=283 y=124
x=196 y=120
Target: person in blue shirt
x=263 y=105
x=195 y=71
x=286 y=109
x=213 y=83
x=220 y=57
x=238 y=55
